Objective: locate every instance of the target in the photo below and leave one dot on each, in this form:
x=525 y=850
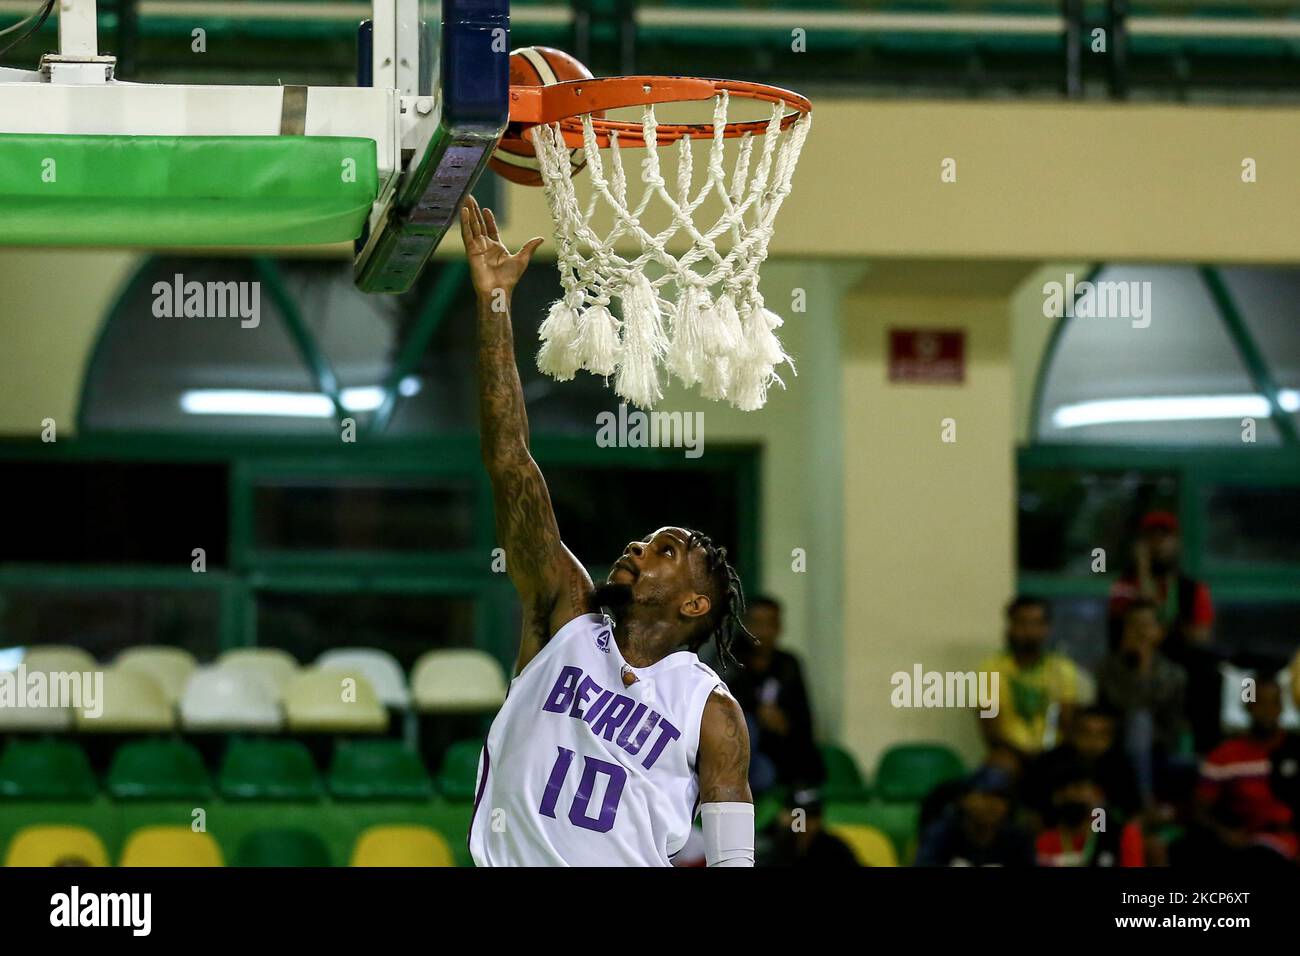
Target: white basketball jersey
x=580 y=770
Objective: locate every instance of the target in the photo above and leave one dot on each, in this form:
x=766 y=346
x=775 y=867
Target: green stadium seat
x=282 y=848
x=898 y=821
x=377 y=770
x=158 y=770
x=844 y=783
x=458 y=778
x=766 y=808
x=46 y=770
x=869 y=845
x=269 y=770
x=907 y=772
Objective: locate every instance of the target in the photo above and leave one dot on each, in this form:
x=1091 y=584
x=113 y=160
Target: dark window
x=600 y=510
x=404 y=625
x=363 y=514
x=105 y=621
x=1253 y=525
x=1255 y=632
x=1079 y=629
x=1065 y=514
x=114 y=513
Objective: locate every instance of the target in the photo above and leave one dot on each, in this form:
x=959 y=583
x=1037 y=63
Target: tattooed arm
x=723 y=761
x=722 y=764
x=552 y=584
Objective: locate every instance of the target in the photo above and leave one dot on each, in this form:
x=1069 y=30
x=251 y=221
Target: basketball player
x=613 y=731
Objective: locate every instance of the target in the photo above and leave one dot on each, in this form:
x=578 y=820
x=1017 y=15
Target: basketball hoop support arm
x=78 y=59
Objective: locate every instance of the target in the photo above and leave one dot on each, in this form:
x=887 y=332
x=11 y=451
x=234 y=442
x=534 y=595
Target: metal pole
x=1072 y=11
x=1117 y=24
x=77 y=28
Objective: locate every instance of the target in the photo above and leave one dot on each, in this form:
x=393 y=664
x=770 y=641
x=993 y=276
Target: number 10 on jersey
x=580 y=809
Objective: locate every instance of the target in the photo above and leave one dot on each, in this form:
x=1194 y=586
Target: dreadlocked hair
x=726 y=616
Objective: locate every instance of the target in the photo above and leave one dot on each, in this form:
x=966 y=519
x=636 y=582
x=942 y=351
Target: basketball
x=535 y=66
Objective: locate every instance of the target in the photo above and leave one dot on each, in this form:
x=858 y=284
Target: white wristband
x=728 y=833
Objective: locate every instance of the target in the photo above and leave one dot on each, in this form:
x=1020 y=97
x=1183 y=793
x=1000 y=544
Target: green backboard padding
x=157 y=191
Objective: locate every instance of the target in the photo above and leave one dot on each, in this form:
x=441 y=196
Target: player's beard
x=614 y=596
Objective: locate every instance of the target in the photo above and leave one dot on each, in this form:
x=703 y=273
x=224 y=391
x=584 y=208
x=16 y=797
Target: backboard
x=387 y=160
x=449 y=62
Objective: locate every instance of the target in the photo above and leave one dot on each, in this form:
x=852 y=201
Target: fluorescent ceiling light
x=11 y=657
x=1171 y=409
x=235 y=401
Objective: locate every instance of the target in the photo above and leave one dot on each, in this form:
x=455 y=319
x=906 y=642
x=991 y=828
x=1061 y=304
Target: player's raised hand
x=491 y=265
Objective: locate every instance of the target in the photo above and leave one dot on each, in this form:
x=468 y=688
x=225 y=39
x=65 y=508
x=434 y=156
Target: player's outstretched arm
x=726 y=805
x=552 y=584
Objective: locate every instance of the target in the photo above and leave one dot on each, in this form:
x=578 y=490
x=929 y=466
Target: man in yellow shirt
x=1038 y=690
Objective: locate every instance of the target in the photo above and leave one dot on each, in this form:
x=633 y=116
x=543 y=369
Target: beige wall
x=928 y=525
x=1039 y=181
x=801 y=435
x=50 y=314
x=1031 y=332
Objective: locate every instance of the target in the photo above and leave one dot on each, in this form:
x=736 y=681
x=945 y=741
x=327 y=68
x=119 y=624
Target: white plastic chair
x=48 y=659
x=170 y=666
x=133 y=702
x=314 y=702
x=221 y=698
x=277 y=665
x=457 y=681
x=58 y=657
x=380 y=667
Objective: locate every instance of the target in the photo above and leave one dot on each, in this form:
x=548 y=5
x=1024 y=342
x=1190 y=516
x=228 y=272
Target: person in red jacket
x=1241 y=815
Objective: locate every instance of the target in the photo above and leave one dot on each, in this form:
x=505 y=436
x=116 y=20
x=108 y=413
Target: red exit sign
x=927 y=355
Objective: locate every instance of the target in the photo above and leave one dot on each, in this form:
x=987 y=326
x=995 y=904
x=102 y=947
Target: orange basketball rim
x=564 y=103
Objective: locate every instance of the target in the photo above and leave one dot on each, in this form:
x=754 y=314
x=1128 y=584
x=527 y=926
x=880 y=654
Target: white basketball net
x=701 y=317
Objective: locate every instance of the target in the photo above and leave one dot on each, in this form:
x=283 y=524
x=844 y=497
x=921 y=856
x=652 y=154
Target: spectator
x=800 y=839
x=1242 y=814
x=1082 y=829
x=770 y=689
x=1148 y=691
x=944 y=795
x=1037 y=690
x=1092 y=746
x=978 y=830
x=1185 y=611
